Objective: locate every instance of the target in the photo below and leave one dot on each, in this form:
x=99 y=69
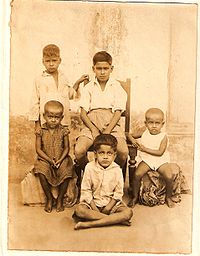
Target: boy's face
x=102 y=71
x=154 y=123
x=51 y=63
x=53 y=117
x=105 y=155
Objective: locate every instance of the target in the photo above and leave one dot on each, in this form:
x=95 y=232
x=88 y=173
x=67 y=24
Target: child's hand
x=53 y=163
x=83 y=78
x=141 y=148
x=135 y=143
x=57 y=164
x=106 y=210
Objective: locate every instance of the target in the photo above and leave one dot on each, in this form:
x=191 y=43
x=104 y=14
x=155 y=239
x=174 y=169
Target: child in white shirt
x=153 y=155
x=102 y=102
x=52 y=85
x=102 y=188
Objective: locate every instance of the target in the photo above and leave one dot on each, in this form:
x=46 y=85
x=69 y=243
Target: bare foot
x=170 y=203
x=59 y=205
x=81 y=225
x=48 y=205
x=126 y=223
x=132 y=203
x=176 y=198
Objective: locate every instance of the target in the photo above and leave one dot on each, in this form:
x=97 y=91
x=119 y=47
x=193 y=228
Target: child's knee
x=79 y=210
x=122 y=153
x=79 y=151
x=138 y=174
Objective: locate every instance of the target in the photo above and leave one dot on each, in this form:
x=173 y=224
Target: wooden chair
x=126 y=85
x=132 y=150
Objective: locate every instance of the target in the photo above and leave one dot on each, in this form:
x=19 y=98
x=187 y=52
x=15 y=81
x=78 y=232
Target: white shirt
x=153 y=142
x=101 y=184
x=113 y=97
x=45 y=89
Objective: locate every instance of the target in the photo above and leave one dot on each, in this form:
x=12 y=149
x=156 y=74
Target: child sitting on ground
x=52 y=85
x=53 y=166
x=153 y=155
x=102 y=188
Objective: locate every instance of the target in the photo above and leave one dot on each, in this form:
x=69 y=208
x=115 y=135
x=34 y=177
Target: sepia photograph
x=102 y=126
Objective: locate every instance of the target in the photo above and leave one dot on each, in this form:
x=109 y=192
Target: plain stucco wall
x=144 y=40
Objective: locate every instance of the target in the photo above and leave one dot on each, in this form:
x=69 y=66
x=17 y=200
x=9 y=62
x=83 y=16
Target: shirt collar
x=109 y=82
x=111 y=166
x=44 y=73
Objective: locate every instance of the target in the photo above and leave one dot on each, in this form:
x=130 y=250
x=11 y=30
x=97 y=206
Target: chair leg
x=78 y=171
x=124 y=170
x=131 y=167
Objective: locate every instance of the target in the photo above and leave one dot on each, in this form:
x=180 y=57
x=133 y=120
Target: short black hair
x=51 y=50
x=105 y=139
x=102 y=56
x=55 y=104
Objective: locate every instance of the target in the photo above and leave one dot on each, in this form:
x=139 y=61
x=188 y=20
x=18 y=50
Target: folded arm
x=155 y=152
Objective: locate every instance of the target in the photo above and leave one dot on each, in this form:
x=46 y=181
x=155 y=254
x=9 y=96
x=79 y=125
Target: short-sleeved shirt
x=153 y=142
x=45 y=89
x=113 y=97
x=101 y=184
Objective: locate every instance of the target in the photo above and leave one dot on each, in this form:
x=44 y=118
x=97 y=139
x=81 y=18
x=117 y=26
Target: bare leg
x=139 y=173
x=166 y=171
x=81 y=148
x=121 y=217
x=47 y=190
x=62 y=191
x=82 y=211
x=122 y=152
x=82 y=145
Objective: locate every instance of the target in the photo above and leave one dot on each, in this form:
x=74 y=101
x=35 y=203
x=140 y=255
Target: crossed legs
x=98 y=219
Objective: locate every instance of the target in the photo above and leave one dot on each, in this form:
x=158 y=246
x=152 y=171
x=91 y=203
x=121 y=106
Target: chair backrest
x=126 y=85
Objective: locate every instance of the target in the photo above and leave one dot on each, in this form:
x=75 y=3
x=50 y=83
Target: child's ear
x=62 y=117
x=112 y=67
x=60 y=60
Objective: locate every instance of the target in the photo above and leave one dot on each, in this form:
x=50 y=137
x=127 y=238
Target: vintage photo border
x=4 y=118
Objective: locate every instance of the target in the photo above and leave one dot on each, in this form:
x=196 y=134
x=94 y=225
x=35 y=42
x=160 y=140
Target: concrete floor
x=154 y=230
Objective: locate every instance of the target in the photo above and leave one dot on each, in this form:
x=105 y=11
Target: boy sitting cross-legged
x=102 y=188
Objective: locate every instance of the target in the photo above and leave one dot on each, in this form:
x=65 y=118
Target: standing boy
x=102 y=188
x=51 y=85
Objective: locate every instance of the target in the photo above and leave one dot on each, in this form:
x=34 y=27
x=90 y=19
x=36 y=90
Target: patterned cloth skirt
x=55 y=176
x=33 y=194
x=153 y=188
